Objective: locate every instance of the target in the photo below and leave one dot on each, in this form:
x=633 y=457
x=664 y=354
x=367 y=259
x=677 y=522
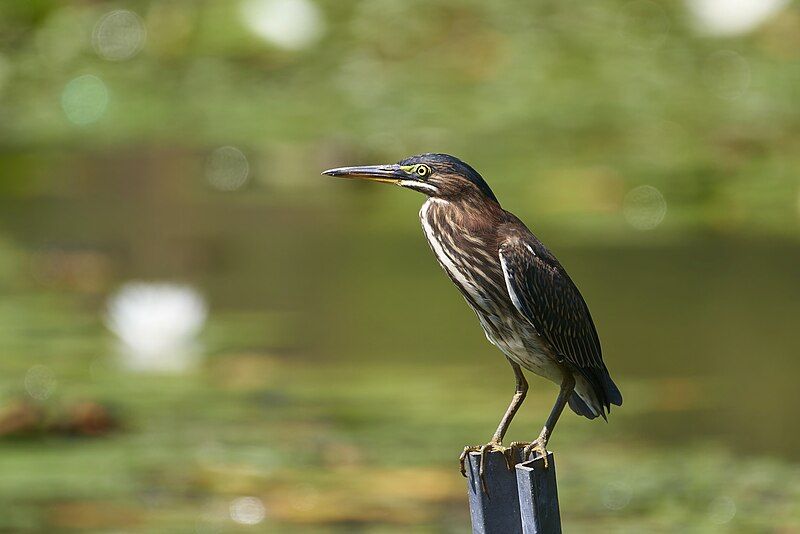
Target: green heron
x=526 y=302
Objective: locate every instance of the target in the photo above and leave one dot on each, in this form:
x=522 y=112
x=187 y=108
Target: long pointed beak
x=376 y=173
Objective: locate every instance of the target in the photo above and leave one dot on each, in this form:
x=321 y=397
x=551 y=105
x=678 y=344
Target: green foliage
x=341 y=376
x=542 y=97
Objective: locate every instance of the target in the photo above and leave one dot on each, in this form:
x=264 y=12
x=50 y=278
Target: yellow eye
x=422 y=171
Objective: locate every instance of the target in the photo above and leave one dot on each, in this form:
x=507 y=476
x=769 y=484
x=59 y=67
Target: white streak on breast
x=515 y=338
x=444 y=259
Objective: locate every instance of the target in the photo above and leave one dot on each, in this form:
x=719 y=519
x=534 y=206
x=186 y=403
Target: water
x=702 y=334
x=339 y=358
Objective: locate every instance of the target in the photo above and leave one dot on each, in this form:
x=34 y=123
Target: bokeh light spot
x=227 y=168
x=644 y=207
x=40 y=382
x=721 y=510
x=727 y=74
x=84 y=99
x=119 y=35
x=247 y=511
x=289 y=24
x=617 y=495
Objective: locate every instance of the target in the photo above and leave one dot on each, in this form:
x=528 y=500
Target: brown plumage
x=526 y=303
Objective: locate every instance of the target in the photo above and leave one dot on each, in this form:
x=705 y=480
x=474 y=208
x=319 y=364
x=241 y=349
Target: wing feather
x=545 y=295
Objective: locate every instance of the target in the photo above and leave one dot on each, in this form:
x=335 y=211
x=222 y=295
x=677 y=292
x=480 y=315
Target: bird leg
x=496 y=443
x=516 y=401
x=540 y=444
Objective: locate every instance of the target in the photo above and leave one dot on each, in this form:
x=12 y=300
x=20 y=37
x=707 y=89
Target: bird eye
x=422 y=170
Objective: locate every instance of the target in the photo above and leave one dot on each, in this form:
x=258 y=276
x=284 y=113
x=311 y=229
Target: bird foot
x=539 y=445
x=483 y=450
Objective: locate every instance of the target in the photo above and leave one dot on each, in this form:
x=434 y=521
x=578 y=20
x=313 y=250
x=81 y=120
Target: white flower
x=289 y=24
x=157 y=325
x=732 y=17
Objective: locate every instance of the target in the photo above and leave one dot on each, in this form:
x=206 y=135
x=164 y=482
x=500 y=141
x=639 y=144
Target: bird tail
x=580 y=407
x=592 y=401
x=613 y=394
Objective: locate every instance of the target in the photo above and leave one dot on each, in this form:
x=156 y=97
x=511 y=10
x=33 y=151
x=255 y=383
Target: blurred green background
x=198 y=333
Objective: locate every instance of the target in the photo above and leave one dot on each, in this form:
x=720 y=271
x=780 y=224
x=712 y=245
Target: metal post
x=495 y=511
x=538 y=496
x=523 y=500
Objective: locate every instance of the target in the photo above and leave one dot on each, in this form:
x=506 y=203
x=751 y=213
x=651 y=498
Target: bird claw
x=483 y=450
x=509 y=453
x=539 y=445
x=462 y=459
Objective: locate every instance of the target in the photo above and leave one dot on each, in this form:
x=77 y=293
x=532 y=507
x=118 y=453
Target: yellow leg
x=496 y=443
x=540 y=444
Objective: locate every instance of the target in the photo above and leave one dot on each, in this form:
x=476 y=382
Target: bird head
x=436 y=175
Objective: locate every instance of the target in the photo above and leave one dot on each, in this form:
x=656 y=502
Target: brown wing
x=545 y=295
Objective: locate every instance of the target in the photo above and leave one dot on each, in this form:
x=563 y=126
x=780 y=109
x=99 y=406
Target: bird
x=526 y=303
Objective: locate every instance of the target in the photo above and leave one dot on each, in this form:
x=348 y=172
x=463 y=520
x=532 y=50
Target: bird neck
x=467 y=213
